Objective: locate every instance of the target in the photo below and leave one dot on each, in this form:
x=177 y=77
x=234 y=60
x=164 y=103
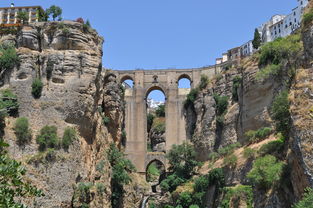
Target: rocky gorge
x=230 y=123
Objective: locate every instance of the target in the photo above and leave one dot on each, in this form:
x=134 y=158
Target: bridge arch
x=156 y=87
x=182 y=76
x=126 y=77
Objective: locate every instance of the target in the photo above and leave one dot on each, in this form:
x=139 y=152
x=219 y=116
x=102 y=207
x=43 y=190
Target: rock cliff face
x=76 y=93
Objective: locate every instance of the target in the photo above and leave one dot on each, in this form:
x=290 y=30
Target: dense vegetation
x=48 y=138
x=121 y=167
x=13 y=185
x=279 y=54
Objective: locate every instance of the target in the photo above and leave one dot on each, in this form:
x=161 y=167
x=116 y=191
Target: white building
x=8 y=14
x=266 y=34
x=247 y=49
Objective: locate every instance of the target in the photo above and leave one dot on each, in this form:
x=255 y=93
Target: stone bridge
x=144 y=82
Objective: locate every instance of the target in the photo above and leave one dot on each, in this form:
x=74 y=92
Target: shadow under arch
x=161 y=168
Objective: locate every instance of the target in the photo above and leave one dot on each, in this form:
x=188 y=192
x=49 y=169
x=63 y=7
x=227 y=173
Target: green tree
x=22 y=131
x=121 y=167
x=182 y=160
x=150 y=118
x=55 y=11
x=8 y=58
x=48 y=138
x=37 y=86
x=9 y=103
x=306 y=201
x=22 y=17
x=69 y=136
x=256 y=42
x=13 y=187
x=42 y=15
x=266 y=171
x=281 y=114
x=160 y=111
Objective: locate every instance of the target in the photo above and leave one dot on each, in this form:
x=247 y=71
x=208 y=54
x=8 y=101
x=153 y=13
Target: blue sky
x=150 y=34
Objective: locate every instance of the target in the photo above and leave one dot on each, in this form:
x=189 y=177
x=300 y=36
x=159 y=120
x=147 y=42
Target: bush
x=236 y=84
x=275 y=54
x=121 y=167
x=204 y=80
x=221 y=103
x=258 y=135
x=22 y=131
x=229 y=149
x=213 y=156
x=306 y=201
x=230 y=161
x=280 y=113
x=100 y=166
x=307 y=18
x=237 y=193
x=100 y=188
x=83 y=193
x=266 y=171
x=249 y=153
x=8 y=58
x=48 y=138
x=8 y=103
x=106 y=120
x=272 y=147
x=160 y=111
x=69 y=136
x=182 y=160
x=191 y=97
x=37 y=86
x=171 y=183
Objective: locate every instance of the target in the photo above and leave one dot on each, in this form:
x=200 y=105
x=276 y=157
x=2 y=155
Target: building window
x=295 y=20
x=279 y=30
x=294 y=14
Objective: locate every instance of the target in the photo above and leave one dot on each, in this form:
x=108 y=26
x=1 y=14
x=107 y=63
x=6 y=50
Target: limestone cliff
x=78 y=93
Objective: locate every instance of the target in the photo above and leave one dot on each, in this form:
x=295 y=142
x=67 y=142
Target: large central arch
x=135 y=114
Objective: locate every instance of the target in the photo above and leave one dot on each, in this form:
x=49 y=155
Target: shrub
x=152 y=172
x=230 y=161
x=171 y=183
x=69 y=136
x=22 y=16
x=191 y=97
x=266 y=171
x=160 y=111
x=106 y=120
x=229 y=149
x=14 y=185
x=271 y=147
x=203 y=82
x=8 y=58
x=100 y=166
x=306 y=201
x=185 y=199
x=8 y=103
x=121 y=167
x=271 y=69
x=249 y=153
x=240 y=192
x=236 y=84
x=37 y=86
x=48 y=138
x=83 y=192
x=22 y=131
x=221 y=103
x=280 y=113
x=182 y=160
x=258 y=135
x=100 y=188
x=159 y=128
x=280 y=50
x=213 y=156
x=307 y=18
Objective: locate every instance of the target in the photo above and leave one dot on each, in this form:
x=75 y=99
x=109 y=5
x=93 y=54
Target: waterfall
x=144 y=201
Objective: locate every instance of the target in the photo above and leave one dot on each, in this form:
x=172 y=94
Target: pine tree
x=257 y=39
